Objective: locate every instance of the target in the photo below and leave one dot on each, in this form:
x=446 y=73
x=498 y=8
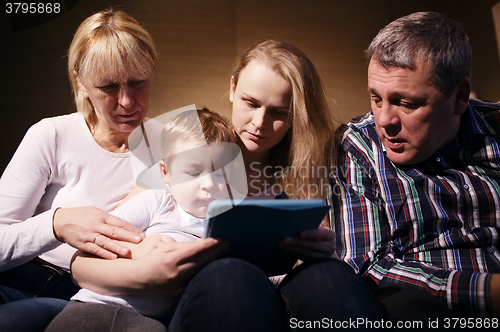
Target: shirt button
x=438 y=159
x=466 y=186
x=490 y=250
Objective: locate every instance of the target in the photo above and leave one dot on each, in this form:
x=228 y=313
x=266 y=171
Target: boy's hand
x=150 y=243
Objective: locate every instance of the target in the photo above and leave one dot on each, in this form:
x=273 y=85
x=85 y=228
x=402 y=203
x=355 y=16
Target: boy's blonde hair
x=185 y=128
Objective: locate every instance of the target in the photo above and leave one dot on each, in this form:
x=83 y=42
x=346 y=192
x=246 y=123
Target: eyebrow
x=249 y=97
x=371 y=90
x=110 y=80
x=191 y=163
x=398 y=95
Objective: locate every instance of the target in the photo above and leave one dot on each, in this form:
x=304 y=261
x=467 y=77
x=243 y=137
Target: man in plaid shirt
x=416 y=194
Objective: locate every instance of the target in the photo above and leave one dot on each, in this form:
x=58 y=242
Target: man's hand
x=495 y=294
x=171 y=265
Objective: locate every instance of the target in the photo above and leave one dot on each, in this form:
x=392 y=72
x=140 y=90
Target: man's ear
x=462 y=96
x=164 y=172
x=232 y=89
x=80 y=85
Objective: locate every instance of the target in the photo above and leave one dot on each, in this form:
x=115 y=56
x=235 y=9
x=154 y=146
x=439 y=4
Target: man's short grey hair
x=431 y=37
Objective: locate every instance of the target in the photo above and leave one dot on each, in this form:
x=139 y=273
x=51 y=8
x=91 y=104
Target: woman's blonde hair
x=307 y=144
x=109 y=46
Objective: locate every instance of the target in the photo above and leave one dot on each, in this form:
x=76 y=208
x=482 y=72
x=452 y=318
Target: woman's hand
x=313 y=243
x=93 y=230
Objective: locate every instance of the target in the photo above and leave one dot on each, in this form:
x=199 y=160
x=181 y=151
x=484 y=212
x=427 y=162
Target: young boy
x=196 y=165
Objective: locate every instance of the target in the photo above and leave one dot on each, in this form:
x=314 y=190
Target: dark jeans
x=40 y=279
x=32 y=295
x=233 y=295
x=30 y=314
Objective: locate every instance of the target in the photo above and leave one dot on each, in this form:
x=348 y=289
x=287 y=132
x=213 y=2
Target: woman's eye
x=193 y=174
x=280 y=113
x=137 y=84
x=108 y=87
x=251 y=104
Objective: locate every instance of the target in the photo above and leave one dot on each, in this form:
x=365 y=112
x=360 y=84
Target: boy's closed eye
x=193 y=174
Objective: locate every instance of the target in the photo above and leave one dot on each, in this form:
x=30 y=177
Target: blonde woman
x=282 y=119
x=285 y=130
x=69 y=170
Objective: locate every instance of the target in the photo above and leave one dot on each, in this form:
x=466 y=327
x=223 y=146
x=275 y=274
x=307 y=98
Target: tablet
x=254 y=228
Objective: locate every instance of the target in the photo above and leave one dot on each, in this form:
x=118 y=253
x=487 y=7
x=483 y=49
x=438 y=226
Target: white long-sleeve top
x=154 y=212
x=58 y=164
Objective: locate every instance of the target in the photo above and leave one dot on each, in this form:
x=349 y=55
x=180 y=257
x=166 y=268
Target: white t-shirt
x=58 y=164
x=155 y=212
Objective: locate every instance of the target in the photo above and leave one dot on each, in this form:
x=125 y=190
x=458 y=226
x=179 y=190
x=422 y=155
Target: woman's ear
x=232 y=89
x=80 y=85
x=164 y=172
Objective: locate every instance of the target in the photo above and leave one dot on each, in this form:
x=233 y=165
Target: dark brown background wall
x=199 y=40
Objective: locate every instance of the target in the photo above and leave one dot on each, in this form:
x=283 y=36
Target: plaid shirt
x=434 y=224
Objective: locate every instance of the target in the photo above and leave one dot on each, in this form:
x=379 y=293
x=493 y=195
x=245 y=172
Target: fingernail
x=288 y=240
x=137 y=238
